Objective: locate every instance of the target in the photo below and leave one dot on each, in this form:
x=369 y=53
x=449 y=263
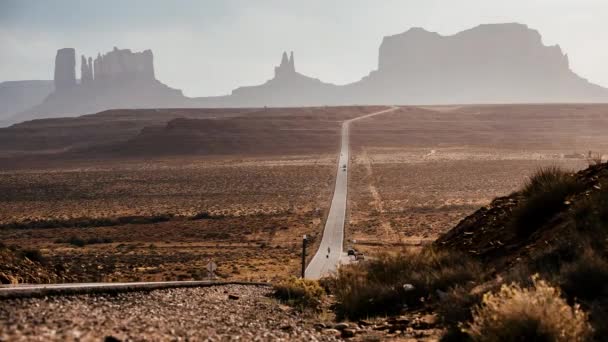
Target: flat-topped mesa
x=124 y=65
x=286 y=68
x=65 y=69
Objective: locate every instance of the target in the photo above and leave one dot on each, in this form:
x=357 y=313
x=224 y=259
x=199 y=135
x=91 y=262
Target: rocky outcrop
x=118 y=79
x=287 y=67
x=124 y=64
x=496 y=63
x=65 y=73
x=287 y=88
x=86 y=70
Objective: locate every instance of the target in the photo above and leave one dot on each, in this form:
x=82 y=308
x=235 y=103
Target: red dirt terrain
x=418 y=171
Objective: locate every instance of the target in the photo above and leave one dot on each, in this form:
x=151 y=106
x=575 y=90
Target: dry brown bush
x=538 y=313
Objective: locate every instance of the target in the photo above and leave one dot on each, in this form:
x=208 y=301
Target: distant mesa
x=118 y=79
x=492 y=63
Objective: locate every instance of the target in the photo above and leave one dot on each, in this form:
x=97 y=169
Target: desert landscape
x=121 y=218
x=303 y=171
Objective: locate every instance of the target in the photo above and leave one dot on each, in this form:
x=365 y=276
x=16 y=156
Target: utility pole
x=304 y=240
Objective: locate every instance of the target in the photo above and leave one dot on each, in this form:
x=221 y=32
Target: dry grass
x=390 y=283
x=300 y=293
x=545 y=195
x=246 y=215
x=528 y=314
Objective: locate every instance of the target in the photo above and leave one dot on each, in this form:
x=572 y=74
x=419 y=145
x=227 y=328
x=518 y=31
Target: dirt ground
x=258 y=210
x=415 y=173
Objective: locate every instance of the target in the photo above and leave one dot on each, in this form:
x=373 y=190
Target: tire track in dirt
x=390 y=233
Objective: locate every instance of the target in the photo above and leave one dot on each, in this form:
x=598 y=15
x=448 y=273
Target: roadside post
x=304 y=240
x=211 y=267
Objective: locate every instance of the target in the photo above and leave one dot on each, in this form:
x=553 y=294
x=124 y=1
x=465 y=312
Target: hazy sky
x=207 y=47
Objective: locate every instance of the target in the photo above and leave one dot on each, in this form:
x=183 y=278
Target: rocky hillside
x=25 y=266
x=564 y=212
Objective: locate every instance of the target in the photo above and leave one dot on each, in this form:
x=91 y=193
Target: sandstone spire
x=90 y=71
x=286 y=68
x=65 y=68
x=86 y=75
x=292 y=65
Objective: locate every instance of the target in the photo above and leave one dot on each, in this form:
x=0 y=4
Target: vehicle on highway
x=359 y=256
x=351 y=251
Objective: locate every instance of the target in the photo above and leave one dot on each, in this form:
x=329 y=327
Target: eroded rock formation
x=124 y=64
x=117 y=79
x=65 y=72
x=287 y=67
x=86 y=70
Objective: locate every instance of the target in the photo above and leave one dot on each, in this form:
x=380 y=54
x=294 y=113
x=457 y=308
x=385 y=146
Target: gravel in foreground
x=189 y=314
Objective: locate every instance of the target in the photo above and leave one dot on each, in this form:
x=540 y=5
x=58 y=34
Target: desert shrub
x=97 y=240
x=586 y=278
x=203 y=215
x=386 y=284
x=590 y=216
x=33 y=255
x=544 y=196
x=301 y=293
x=85 y=222
x=537 y=313
x=456 y=306
x=76 y=241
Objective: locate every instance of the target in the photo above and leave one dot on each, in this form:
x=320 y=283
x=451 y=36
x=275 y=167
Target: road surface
x=330 y=254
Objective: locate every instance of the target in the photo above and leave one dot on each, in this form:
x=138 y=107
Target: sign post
x=211 y=267
x=304 y=240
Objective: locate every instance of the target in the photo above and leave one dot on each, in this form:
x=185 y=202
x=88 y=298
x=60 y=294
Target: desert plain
x=161 y=196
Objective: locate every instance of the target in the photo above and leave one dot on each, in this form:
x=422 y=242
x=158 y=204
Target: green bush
x=545 y=195
x=301 y=293
x=537 y=313
x=381 y=286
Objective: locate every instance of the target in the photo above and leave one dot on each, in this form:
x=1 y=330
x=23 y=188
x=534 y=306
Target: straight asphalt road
x=330 y=253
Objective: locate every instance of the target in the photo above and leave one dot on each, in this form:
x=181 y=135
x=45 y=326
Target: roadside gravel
x=217 y=313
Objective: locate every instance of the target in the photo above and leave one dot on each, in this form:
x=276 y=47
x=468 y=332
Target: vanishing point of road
x=330 y=253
